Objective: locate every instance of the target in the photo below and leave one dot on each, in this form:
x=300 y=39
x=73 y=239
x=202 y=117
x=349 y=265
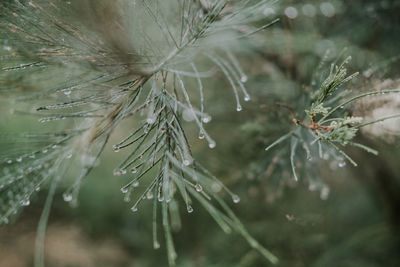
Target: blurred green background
x=356 y=225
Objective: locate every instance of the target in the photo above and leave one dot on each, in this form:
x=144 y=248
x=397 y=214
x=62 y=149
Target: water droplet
x=342 y=164
x=244 y=79
x=235 y=199
x=133 y=170
x=135 y=184
x=124 y=190
x=239 y=108
x=116 y=148
x=309 y=10
x=69 y=155
x=5 y=220
x=206 y=119
x=201 y=136
x=268 y=11
x=127 y=197
x=117 y=172
x=67 y=92
x=327 y=9
x=67 y=197
x=368 y=73
x=149 y=195
x=25 y=202
x=54 y=146
x=291 y=12
x=45 y=151
x=188 y=115
x=247 y=98
x=134 y=209
x=32 y=156
x=216 y=187
x=186 y=162
x=212 y=145
x=173 y=255
x=9 y=161
x=19 y=159
x=198 y=188
x=37 y=189
x=189 y=209
x=150 y=120
x=156 y=245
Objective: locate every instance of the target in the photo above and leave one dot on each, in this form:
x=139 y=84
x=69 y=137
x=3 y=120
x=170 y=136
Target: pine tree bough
x=89 y=66
x=88 y=70
x=329 y=127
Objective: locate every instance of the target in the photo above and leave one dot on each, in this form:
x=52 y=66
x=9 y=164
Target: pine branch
x=90 y=72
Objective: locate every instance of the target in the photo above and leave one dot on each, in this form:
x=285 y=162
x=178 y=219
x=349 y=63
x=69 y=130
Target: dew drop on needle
x=156 y=245
x=189 y=209
x=198 y=188
x=67 y=197
x=25 y=202
x=235 y=199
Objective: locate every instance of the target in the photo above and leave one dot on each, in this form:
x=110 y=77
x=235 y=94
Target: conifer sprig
x=86 y=67
x=327 y=123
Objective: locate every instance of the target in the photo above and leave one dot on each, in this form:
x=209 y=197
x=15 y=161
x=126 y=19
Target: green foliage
x=330 y=126
x=111 y=77
x=127 y=76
